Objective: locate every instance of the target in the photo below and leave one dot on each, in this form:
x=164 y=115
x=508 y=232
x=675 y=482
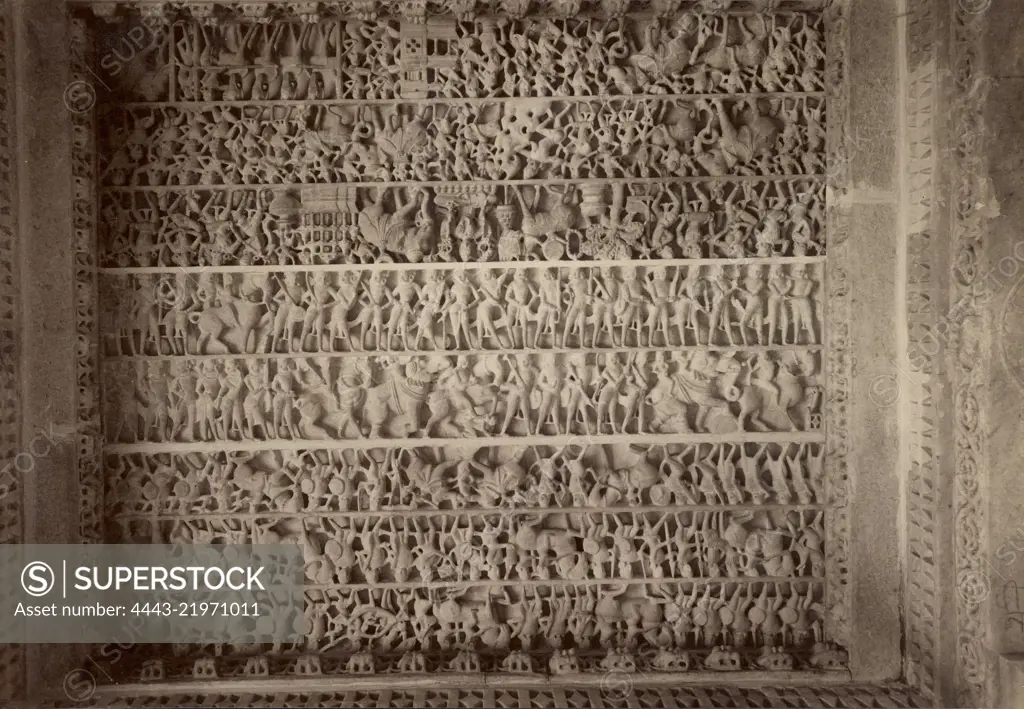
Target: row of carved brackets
x=823 y=656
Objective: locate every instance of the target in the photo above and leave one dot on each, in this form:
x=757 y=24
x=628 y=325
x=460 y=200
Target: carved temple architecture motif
x=517 y=324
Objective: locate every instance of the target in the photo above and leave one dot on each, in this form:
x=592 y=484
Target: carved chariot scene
x=515 y=324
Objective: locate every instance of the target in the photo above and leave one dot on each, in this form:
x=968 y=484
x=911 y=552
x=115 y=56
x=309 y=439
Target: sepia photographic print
x=511 y=353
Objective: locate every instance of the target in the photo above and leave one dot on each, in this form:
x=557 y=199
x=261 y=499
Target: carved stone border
x=267 y=10
x=839 y=366
x=614 y=694
x=83 y=165
x=12 y=493
x=976 y=676
x=922 y=461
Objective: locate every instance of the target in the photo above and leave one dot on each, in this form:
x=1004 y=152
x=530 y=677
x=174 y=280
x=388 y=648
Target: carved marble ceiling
x=516 y=324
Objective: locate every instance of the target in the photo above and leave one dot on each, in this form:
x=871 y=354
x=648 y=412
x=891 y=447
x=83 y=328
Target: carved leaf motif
x=426 y=478
x=400 y=144
x=383 y=231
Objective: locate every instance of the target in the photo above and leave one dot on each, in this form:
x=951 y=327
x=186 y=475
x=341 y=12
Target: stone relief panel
x=480 y=221
x=516 y=325
x=522 y=140
x=483 y=58
x=324 y=398
x=488 y=309
x=456 y=478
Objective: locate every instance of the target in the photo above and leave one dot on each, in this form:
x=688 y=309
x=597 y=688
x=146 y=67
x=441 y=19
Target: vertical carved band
x=975 y=664
x=840 y=367
x=84 y=210
x=12 y=657
x=924 y=311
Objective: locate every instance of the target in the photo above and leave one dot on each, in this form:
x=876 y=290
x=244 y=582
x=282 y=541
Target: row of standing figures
x=590 y=308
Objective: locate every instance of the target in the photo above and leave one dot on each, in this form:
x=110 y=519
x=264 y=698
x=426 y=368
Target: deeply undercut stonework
x=542 y=329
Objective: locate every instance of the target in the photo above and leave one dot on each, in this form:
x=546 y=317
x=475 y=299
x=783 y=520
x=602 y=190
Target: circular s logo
x=37 y=578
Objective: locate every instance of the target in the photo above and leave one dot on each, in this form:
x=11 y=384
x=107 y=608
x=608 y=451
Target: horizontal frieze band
x=522 y=352
x=523 y=140
x=463 y=224
x=467 y=512
x=469 y=101
x=290 y=10
x=364 y=444
x=579 y=475
x=520 y=544
x=459 y=266
x=295 y=186
x=436 y=311
x=460 y=397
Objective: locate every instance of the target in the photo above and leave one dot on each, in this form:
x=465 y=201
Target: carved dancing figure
x=720 y=290
x=518 y=296
x=284 y=387
x=490 y=293
x=800 y=289
x=549 y=385
x=687 y=303
x=752 y=305
x=431 y=298
x=549 y=298
x=579 y=298
x=460 y=297
x=661 y=295
x=402 y=303
x=343 y=297
x=778 y=291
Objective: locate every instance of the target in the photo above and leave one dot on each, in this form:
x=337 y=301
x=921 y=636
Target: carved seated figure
x=465 y=661
x=618 y=660
x=827 y=656
x=723 y=659
x=517 y=661
x=774 y=658
x=671 y=661
x=564 y=662
x=412 y=662
x=362 y=663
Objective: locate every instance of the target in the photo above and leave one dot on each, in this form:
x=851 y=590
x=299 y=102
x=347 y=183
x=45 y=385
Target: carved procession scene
x=324 y=398
x=515 y=323
x=296 y=312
